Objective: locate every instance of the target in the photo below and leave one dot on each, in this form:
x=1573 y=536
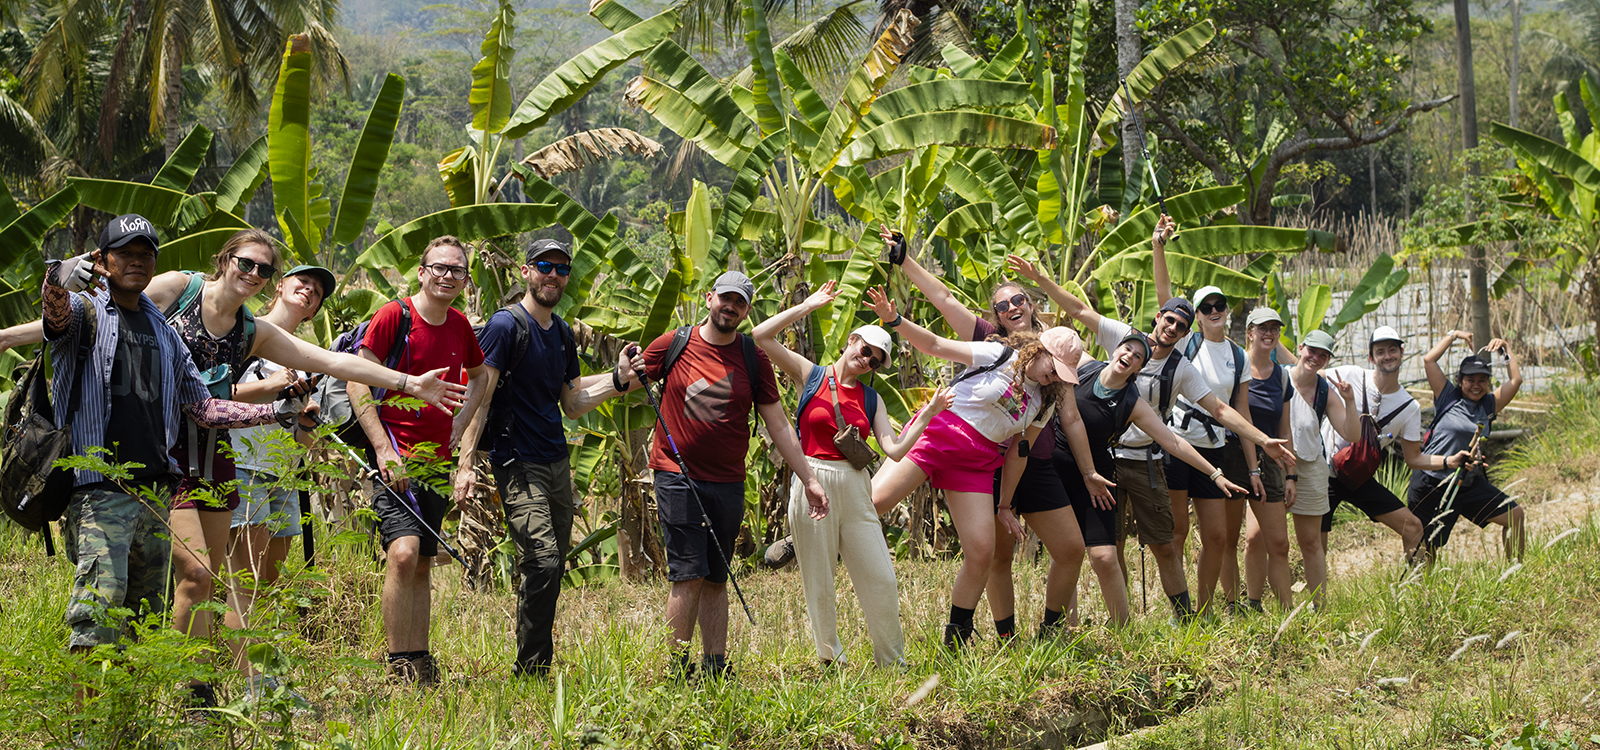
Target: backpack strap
x=519 y=343
x=972 y=372
x=752 y=369
x=871 y=398
x=1240 y=367
x=680 y=341
x=86 y=341
x=1168 y=371
x=808 y=391
x=1319 y=404
x=191 y=292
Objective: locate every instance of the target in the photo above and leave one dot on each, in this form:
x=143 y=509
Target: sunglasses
x=1015 y=301
x=872 y=362
x=1175 y=320
x=263 y=270
x=440 y=270
x=1206 y=308
x=561 y=269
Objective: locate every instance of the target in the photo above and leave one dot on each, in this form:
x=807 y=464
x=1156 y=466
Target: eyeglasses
x=561 y=269
x=263 y=270
x=1206 y=308
x=440 y=270
x=872 y=362
x=1015 y=301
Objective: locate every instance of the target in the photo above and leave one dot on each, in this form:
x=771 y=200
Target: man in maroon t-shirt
x=440 y=336
x=705 y=402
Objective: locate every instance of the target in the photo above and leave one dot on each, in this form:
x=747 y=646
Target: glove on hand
x=75 y=274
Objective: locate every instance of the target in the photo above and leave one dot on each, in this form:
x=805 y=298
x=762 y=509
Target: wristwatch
x=1292 y=478
x=898 y=319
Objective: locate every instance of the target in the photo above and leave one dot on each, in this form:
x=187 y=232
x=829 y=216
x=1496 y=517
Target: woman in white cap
x=833 y=401
x=1011 y=387
x=1266 y=551
x=1311 y=404
x=1039 y=497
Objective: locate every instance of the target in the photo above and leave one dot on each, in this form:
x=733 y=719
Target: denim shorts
x=263 y=502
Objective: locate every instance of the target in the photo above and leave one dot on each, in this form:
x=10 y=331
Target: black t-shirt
x=135 y=427
x=1104 y=420
x=532 y=387
x=1267 y=397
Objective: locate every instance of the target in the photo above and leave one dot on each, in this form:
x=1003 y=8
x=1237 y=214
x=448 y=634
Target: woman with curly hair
x=1011 y=386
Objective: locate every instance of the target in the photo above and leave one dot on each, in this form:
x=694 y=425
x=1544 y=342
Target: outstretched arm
x=1147 y=420
x=1430 y=361
x=1232 y=419
x=274 y=345
x=22 y=334
x=896 y=448
x=924 y=340
x=766 y=334
x=1158 y=259
x=1069 y=303
x=956 y=315
x=584 y=394
x=1508 y=390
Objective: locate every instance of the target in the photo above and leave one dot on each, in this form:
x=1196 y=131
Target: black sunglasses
x=561 y=269
x=1206 y=308
x=263 y=270
x=1006 y=304
x=872 y=362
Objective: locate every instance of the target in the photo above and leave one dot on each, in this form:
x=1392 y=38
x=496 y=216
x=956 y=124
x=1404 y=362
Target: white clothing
x=1216 y=364
x=1407 y=425
x=1305 y=425
x=1187 y=382
x=991 y=402
x=254 y=446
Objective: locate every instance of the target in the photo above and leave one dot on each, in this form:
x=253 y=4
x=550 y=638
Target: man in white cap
x=1398 y=417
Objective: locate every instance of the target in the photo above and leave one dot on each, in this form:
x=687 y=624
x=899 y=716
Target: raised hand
x=1165 y=229
x=824 y=296
x=1023 y=267
x=878 y=301
x=1346 y=391
x=80 y=273
x=434 y=390
x=896 y=243
x=1462 y=336
x=1498 y=345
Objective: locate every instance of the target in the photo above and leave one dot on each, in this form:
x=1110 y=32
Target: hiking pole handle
x=1138 y=124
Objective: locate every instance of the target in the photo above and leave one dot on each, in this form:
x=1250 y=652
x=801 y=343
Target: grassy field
x=1374 y=669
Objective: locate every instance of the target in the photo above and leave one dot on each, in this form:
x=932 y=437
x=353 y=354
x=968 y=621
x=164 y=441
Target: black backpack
x=1193 y=413
x=332 y=399
x=33 y=491
x=680 y=342
x=497 y=421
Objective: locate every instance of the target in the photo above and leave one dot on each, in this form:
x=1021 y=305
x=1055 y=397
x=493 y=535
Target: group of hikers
x=1031 y=433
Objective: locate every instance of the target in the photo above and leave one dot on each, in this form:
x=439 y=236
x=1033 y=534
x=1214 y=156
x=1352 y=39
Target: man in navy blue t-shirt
x=521 y=428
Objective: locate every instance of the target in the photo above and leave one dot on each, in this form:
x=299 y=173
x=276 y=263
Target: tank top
x=207 y=350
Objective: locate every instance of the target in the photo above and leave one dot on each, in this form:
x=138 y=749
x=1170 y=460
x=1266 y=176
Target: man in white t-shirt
x=1398 y=417
x=1141 y=477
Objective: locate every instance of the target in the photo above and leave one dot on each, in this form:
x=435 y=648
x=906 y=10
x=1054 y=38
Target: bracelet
x=1255 y=472
x=898 y=319
x=616 y=382
x=1214 y=475
x=402 y=386
x=1003 y=507
x=1291 y=478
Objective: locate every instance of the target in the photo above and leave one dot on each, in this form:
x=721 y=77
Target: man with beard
x=707 y=394
x=1141 y=476
x=1398 y=417
x=531 y=366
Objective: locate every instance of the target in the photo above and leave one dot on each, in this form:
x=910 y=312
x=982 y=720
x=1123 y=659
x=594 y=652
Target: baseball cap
x=1263 y=315
x=541 y=247
x=322 y=275
x=1142 y=340
x=127 y=228
x=1209 y=291
x=1318 y=339
x=733 y=281
x=877 y=338
x=1385 y=333
x=1181 y=307
x=1065 y=348
x=1475 y=365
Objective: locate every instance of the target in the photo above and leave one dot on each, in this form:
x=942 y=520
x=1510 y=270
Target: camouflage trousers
x=122 y=549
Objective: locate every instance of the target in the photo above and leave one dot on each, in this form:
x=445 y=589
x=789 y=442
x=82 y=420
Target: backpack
x=1194 y=413
x=497 y=421
x=813 y=385
x=219 y=380
x=33 y=491
x=1355 y=463
x=680 y=342
x=332 y=398
x=972 y=372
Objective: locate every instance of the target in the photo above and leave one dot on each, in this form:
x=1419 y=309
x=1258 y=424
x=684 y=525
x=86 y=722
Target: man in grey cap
x=531 y=364
x=712 y=378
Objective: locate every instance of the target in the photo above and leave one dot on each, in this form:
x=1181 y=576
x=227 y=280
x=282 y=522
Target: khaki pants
x=849 y=531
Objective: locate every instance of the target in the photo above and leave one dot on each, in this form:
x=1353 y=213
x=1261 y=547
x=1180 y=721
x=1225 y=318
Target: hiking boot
x=404 y=671
x=956 y=637
x=202 y=696
x=716 y=667
x=780 y=553
x=428 y=670
x=1050 y=631
x=681 y=667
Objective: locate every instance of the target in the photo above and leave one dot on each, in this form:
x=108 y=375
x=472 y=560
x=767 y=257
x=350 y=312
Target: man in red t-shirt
x=705 y=402
x=401 y=433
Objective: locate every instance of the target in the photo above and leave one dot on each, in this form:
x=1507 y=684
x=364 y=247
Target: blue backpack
x=814 y=381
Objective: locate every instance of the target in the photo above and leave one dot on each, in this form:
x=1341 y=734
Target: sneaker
x=780 y=553
x=956 y=637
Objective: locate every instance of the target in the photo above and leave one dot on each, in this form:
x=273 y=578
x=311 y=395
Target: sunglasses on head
x=872 y=362
x=263 y=270
x=1206 y=308
x=1016 y=300
x=545 y=266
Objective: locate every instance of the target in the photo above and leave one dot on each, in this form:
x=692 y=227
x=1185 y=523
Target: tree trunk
x=172 y=109
x=1478 y=270
x=1128 y=54
x=638 y=544
x=1516 y=56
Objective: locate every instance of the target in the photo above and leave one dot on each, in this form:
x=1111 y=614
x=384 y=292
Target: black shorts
x=1182 y=477
x=690 y=552
x=1478 y=501
x=395 y=521
x=1100 y=528
x=1038 y=490
x=1372 y=498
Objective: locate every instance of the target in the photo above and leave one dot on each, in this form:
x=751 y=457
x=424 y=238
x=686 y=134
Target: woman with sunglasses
x=1039 y=497
x=850 y=530
x=1010 y=389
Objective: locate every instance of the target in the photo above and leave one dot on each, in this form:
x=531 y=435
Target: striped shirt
x=180 y=380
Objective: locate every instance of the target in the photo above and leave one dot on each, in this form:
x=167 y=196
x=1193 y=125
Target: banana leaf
x=8 y=206
x=1186 y=271
x=1005 y=61
x=240 y=182
x=401 y=249
x=1314 y=305
x=1149 y=73
x=1549 y=154
x=741 y=195
x=718 y=127
x=1379 y=283
x=289 y=139
x=697 y=229
x=960 y=128
x=20 y=240
x=180 y=168
x=1223 y=241
x=490 y=97
x=196 y=247
x=765 y=86
x=372 y=152
x=661 y=310
x=944 y=94
x=614 y=15
x=568 y=83
x=116 y=197
x=1184 y=208
x=864 y=84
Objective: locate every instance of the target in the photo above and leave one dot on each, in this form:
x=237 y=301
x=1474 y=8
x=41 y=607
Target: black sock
x=1051 y=617
x=1180 y=603
x=961 y=616
x=1254 y=604
x=395 y=656
x=1007 y=627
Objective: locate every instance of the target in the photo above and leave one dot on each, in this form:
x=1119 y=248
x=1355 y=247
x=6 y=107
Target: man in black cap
x=1462 y=411
x=1141 y=476
x=712 y=378
x=106 y=334
x=532 y=371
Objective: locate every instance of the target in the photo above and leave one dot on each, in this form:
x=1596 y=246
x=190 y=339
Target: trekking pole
x=308 y=541
x=705 y=517
x=1453 y=485
x=1138 y=124
x=377 y=481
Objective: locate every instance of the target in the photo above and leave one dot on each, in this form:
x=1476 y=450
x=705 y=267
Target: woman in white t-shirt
x=1011 y=387
x=1314 y=400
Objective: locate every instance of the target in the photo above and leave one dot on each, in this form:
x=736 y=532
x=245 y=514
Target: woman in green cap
x=1311 y=404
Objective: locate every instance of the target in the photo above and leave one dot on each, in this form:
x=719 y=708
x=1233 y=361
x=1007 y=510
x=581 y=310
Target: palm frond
x=827 y=44
x=27 y=144
x=589 y=147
